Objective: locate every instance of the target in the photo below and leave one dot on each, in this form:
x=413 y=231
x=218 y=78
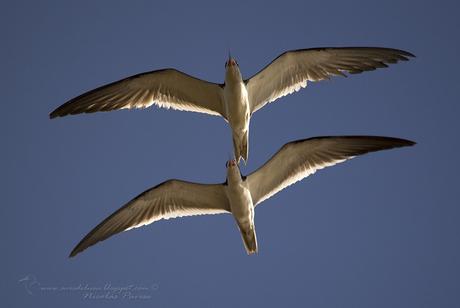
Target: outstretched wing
x=171 y=199
x=290 y=71
x=168 y=88
x=298 y=159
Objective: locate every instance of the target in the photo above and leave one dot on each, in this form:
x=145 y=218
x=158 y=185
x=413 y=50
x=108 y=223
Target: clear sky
x=378 y=231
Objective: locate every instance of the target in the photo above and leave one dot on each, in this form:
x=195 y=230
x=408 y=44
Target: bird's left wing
x=168 y=88
x=291 y=71
x=299 y=159
x=171 y=199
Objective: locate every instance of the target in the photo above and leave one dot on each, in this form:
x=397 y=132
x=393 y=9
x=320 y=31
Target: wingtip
x=404 y=142
x=55 y=113
x=401 y=52
x=75 y=252
x=408 y=54
x=405 y=55
x=400 y=142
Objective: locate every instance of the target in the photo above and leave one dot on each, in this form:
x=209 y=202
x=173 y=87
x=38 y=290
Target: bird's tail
x=249 y=239
x=244 y=146
x=241 y=147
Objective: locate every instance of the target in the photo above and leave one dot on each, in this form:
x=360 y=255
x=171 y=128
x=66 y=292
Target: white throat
x=233 y=175
x=233 y=75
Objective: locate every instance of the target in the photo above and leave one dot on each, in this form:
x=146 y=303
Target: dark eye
x=225 y=64
x=226 y=163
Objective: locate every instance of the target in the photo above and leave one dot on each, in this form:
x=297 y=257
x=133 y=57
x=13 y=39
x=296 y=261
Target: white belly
x=237 y=106
x=241 y=204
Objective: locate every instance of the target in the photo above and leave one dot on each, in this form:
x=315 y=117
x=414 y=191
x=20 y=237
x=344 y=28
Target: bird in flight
x=239 y=195
x=236 y=99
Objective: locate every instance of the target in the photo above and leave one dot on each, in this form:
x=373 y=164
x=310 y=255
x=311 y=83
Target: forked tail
x=240 y=145
x=249 y=240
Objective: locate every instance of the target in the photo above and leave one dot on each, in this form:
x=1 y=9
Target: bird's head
x=231 y=68
x=231 y=63
x=231 y=163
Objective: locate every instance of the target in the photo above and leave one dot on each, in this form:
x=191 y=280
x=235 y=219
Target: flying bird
x=238 y=195
x=236 y=99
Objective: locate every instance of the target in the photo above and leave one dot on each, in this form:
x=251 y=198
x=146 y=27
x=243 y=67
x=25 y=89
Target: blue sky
x=378 y=231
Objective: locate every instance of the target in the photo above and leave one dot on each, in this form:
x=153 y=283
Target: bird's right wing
x=168 y=88
x=299 y=159
x=171 y=199
x=291 y=71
